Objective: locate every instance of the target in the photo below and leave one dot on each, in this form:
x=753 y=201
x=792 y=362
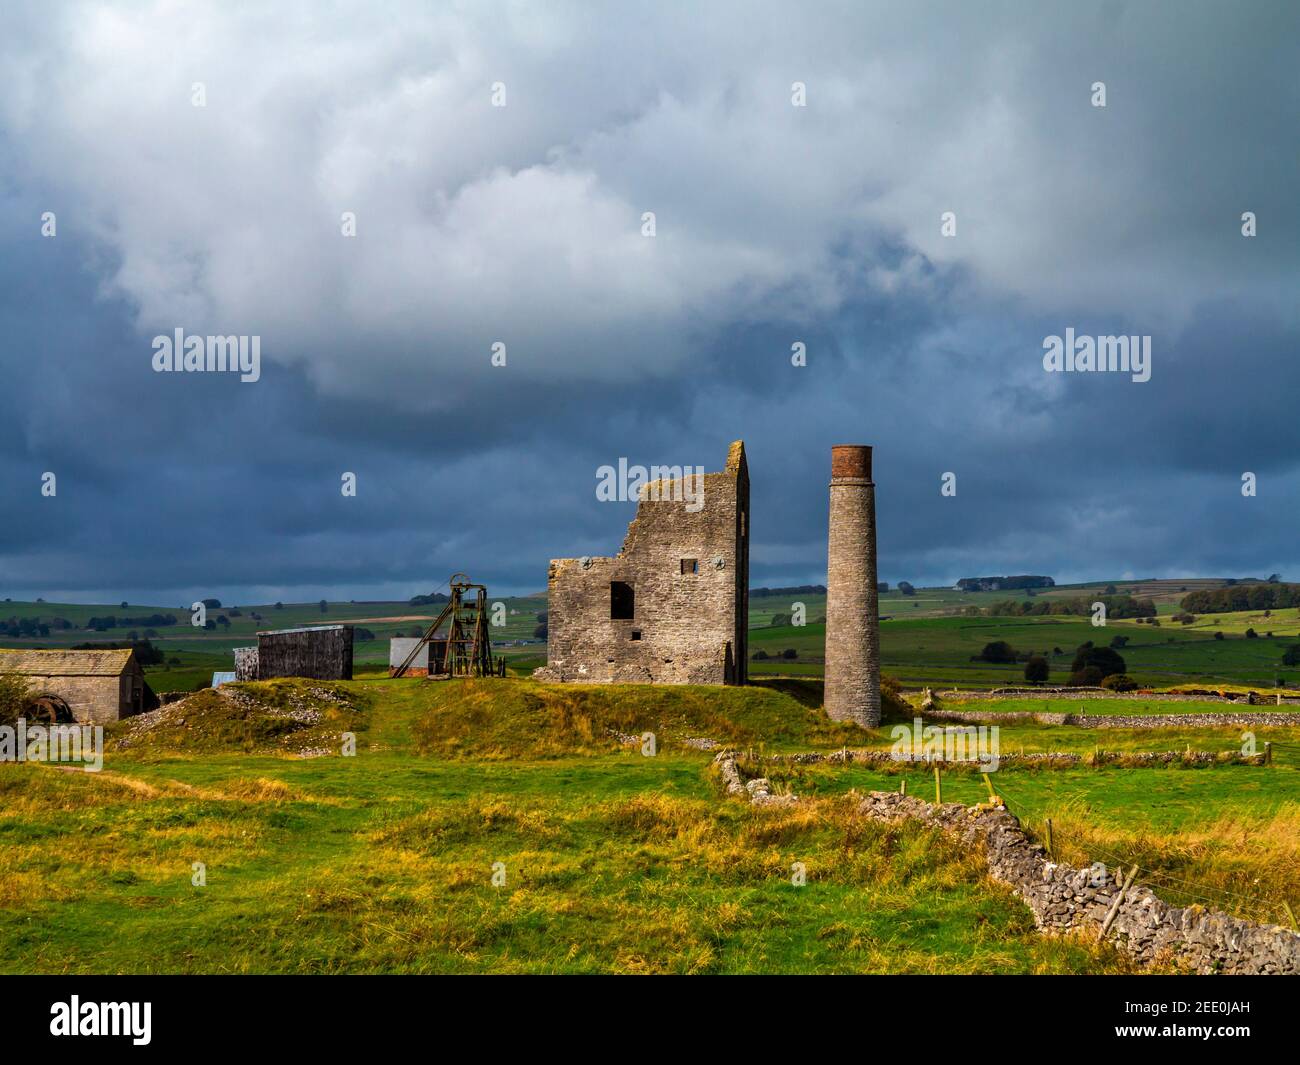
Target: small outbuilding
x=93 y=687
x=322 y=652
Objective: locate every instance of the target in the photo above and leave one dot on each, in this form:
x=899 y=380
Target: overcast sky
x=522 y=224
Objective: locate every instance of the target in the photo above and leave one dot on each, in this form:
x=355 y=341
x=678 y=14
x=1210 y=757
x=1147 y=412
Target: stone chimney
x=852 y=612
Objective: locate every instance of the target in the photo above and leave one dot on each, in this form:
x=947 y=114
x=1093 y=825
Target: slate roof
x=108 y=663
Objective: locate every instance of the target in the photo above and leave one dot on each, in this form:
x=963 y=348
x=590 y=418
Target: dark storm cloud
x=522 y=224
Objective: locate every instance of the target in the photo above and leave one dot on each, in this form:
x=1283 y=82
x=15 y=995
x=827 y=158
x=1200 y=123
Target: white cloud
x=522 y=223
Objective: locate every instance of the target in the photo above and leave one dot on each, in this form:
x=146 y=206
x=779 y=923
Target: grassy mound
x=298 y=717
x=527 y=719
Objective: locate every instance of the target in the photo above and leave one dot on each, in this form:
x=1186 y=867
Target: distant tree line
x=802 y=589
x=1010 y=584
x=1242 y=597
x=145 y=652
x=152 y=621
x=427 y=600
x=16 y=627
x=1091 y=666
x=1117 y=606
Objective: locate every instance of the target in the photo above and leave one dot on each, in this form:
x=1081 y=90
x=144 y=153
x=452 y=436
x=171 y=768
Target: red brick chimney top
x=851 y=460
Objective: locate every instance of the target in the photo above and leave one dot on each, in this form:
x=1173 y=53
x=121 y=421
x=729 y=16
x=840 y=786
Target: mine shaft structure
x=468 y=649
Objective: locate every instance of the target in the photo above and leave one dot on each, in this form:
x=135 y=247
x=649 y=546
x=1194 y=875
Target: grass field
x=939 y=651
x=613 y=861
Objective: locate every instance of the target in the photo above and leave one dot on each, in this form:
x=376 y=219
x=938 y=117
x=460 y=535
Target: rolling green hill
x=926 y=638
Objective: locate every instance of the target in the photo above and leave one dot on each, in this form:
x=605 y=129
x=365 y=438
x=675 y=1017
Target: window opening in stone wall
x=622 y=601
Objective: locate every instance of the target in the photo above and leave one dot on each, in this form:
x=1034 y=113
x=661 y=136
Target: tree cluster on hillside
x=1242 y=597
x=998 y=651
x=1117 y=606
x=906 y=588
x=1092 y=664
x=425 y=600
x=1037 y=670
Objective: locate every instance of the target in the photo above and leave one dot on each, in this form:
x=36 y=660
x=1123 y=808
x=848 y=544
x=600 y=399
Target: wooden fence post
x=1049 y=838
x=993 y=795
x=938 y=787
x=1114 y=909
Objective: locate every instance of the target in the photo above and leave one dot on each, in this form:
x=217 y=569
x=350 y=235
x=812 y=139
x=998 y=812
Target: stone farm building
x=673 y=606
x=95 y=686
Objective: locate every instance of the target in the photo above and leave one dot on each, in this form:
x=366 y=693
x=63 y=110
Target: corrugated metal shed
x=218 y=679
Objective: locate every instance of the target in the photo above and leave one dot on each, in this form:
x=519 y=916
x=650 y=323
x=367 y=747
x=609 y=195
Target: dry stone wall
x=1201 y=695
x=1035 y=759
x=1064 y=899
x=1126 y=721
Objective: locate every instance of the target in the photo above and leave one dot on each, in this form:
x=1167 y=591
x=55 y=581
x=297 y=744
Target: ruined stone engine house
x=672 y=607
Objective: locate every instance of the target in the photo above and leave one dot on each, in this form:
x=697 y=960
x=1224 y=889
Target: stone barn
x=673 y=606
x=322 y=652
x=94 y=686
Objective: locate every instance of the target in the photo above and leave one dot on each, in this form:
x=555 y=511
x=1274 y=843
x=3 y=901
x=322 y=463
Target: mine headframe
x=465 y=649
